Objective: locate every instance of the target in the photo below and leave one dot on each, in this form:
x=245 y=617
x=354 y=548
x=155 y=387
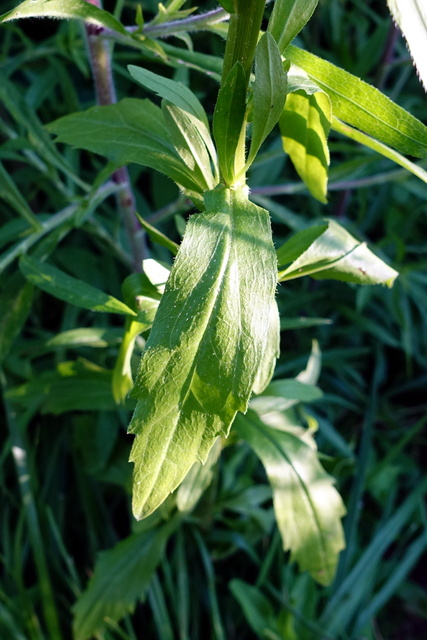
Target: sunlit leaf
x=206 y=345
x=362 y=105
x=78 y=9
x=411 y=17
x=332 y=252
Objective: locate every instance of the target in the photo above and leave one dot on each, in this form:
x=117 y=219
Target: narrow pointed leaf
x=229 y=119
x=304 y=125
x=69 y=289
x=77 y=9
x=334 y=253
x=272 y=351
x=206 y=345
x=308 y=508
x=269 y=89
x=411 y=17
x=363 y=106
x=288 y=18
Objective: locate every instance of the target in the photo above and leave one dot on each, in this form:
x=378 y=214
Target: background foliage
x=65 y=501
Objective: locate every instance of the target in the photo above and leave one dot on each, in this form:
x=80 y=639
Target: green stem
x=243 y=33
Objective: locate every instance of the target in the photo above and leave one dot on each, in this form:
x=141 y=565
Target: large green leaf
x=304 y=125
x=206 y=345
x=130 y=131
x=411 y=16
x=78 y=9
x=363 y=106
x=308 y=508
x=69 y=289
x=332 y=252
x=269 y=89
x=121 y=577
x=288 y=18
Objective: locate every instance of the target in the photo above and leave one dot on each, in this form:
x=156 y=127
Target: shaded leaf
x=288 y=18
x=10 y=192
x=15 y=304
x=308 y=508
x=258 y=610
x=363 y=106
x=69 y=289
x=197 y=480
x=136 y=133
x=269 y=89
x=229 y=120
x=206 y=345
x=131 y=563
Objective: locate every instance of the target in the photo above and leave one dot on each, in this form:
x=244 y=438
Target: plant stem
x=100 y=61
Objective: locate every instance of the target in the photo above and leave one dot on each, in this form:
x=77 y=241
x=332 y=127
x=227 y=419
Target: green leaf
x=308 y=508
x=142 y=296
x=78 y=9
x=288 y=18
x=272 y=351
x=206 y=345
x=185 y=136
x=363 y=106
x=411 y=17
x=15 y=303
x=73 y=386
x=179 y=95
x=136 y=133
x=258 y=610
x=336 y=254
x=11 y=194
x=304 y=125
x=299 y=243
x=229 y=121
x=157 y=236
x=197 y=480
x=269 y=89
x=121 y=577
x=69 y=289
x=293 y=389
x=379 y=147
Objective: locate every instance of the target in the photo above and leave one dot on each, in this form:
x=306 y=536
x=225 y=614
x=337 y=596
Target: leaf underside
x=206 y=346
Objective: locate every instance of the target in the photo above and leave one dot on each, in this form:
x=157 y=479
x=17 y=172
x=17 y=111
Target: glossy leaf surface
x=363 y=106
x=334 y=254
